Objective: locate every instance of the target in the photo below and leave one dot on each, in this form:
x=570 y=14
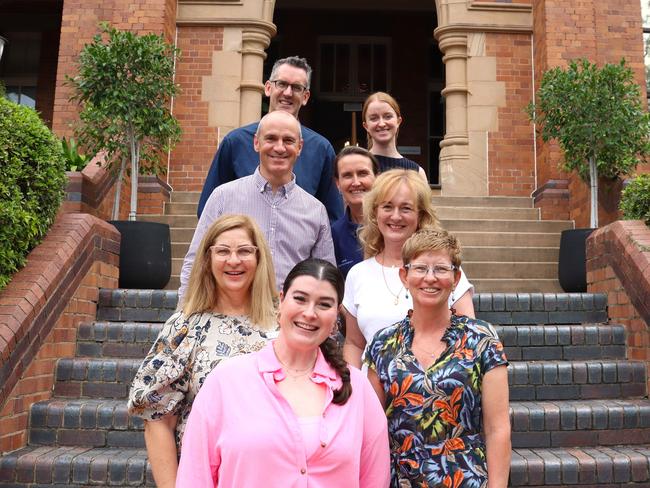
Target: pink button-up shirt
x=243 y=433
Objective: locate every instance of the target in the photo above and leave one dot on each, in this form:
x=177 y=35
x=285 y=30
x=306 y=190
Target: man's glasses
x=296 y=88
x=439 y=271
x=244 y=253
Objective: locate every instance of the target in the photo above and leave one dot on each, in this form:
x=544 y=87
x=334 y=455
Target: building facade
x=462 y=70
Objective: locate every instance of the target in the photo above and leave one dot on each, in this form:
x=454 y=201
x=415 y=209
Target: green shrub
x=635 y=199
x=32 y=180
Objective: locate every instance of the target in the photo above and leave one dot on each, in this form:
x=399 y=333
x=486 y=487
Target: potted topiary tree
x=124 y=86
x=597 y=117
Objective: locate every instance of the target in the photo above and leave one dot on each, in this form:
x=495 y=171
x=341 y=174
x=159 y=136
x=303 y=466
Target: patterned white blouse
x=184 y=353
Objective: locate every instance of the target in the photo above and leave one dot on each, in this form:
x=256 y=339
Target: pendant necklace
x=295 y=373
x=383 y=275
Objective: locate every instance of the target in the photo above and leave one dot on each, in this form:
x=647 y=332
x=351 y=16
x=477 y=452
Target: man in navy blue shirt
x=288 y=90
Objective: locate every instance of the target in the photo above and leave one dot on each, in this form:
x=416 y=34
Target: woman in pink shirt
x=293 y=414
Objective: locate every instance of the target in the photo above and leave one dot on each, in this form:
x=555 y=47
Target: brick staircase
x=506 y=246
x=578 y=407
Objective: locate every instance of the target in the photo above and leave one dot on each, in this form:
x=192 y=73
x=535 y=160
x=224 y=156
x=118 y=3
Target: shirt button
x=322 y=444
x=303 y=471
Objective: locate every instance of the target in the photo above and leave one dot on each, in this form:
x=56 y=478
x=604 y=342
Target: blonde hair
x=203 y=293
x=425 y=240
x=384 y=188
x=379 y=97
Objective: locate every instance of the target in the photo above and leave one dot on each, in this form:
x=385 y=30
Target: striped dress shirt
x=295 y=224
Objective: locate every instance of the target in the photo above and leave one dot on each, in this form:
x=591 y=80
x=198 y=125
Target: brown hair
x=383 y=188
x=325 y=271
x=202 y=292
x=360 y=151
x=379 y=97
x=425 y=240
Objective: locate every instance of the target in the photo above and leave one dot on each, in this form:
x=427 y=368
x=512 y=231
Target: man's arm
x=220 y=172
x=327 y=191
x=212 y=211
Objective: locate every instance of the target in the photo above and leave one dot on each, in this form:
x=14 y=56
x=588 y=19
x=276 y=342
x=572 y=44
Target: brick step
x=185 y=196
x=476 y=236
x=451 y=224
x=522 y=342
x=84 y=422
x=95 y=377
x=477 y=270
x=575 y=380
x=67 y=466
x=529 y=381
x=438 y=200
x=581 y=467
x=116 y=339
x=580 y=423
x=563 y=342
x=497 y=308
x=443 y=212
x=499 y=285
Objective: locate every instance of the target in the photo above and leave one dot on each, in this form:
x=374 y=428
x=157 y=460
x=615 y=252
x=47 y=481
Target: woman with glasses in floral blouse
x=228 y=310
x=442 y=379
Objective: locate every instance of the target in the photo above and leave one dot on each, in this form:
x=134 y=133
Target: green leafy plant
x=32 y=181
x=124 y=85
x=598 y=119
x=74 y=160
x=635 y=199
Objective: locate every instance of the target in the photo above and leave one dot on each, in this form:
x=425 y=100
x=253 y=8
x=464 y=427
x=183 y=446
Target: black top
x=386 y=163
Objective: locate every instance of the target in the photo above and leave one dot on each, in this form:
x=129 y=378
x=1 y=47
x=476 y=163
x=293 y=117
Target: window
x=352 y=68
x=19 y=66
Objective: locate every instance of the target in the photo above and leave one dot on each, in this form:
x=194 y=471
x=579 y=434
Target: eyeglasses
x=244 y=253
x=420 y=270
x=296 y=88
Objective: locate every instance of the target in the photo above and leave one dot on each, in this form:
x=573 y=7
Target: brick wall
x=618 y=264
x=601 y=32
x=79 y=23
x=41 y=308
x=510 y=153
x=193 y=154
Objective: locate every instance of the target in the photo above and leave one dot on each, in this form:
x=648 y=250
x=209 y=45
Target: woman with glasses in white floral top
x=398 y=204
x=228 y=310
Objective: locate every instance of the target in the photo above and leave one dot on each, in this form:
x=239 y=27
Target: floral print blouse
x=184 y=353
x=434 y=415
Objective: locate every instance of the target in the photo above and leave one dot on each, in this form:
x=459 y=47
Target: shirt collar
x=267 y=362
x=263 y=185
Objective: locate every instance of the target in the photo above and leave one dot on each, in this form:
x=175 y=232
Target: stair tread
x=573 y=466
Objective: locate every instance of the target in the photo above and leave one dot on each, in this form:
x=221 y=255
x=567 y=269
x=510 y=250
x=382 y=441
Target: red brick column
x=41 y=308
x=579 y=29
x=618 y=264
x=193 y=155
x=510 y=153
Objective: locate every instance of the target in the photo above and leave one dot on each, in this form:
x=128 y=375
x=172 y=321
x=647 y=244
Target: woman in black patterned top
x=228 y=310
x=381 y=119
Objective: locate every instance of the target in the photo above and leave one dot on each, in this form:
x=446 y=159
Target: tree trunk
x=135 y=170
x=593 y=177
x=118 y=190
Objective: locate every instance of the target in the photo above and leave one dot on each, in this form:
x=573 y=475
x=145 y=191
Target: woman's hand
x=496 y=425
x=161 y=450
x=355 y=343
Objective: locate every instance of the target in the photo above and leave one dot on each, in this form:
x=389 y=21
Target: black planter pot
x=145 y=254
x=572 y=266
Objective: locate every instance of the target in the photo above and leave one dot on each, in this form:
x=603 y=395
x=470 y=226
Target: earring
x=406 y=293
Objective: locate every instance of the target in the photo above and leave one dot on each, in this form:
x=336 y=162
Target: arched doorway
x=357 y=51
